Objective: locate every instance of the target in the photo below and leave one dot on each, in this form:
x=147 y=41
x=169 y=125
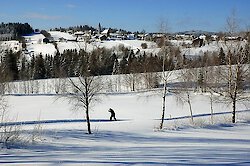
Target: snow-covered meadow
x=132 y=140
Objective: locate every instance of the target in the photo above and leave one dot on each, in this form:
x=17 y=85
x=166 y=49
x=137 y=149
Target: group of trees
x=15 y=29
x=228 y=76
x=75 y=28
x=101 y=61
x=9 y=65
x=227 y=80
x=70 y=63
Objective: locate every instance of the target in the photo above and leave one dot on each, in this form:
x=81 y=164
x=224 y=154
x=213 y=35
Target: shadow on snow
x=204 y=115
x=127 y=148
x=56 y=121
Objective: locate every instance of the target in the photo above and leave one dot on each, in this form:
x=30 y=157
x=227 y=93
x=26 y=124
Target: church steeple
x=99 y=28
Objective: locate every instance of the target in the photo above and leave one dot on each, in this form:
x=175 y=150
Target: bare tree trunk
x=211 y=108
x=163 y=30
x=233 y=96
x=133 y=83
x=232 y=92
x=190 y=108
x=163 y=104
x=88 y=119
x=87 y=105
x=235 y=91
x=233 y=113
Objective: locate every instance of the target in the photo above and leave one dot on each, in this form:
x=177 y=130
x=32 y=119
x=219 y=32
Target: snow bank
x=112 y=83
x=34 y=39
x=57 y=35
x=69 y=45
x=44 y=49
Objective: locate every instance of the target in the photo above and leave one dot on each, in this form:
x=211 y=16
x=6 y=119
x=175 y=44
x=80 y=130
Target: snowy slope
x=36 y=46
x=112 y=84
x=57 y=35
x=199 y=51
x=44 y=49
x=10 y=45
x=131 y=44
x=212 y=47
x=133 y=139
x=34 y=39
x=62 y=46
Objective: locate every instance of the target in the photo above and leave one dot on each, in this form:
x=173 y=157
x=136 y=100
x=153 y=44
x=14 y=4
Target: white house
x=203 y=37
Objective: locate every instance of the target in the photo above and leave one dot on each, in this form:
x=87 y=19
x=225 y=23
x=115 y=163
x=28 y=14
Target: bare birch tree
x=151 y=80
x=233 y=76
x=132 y=81
x=3 y=76
x=85 y=88
x=165 y=74
x=85 y=94
x=237 y=71
x=8 y=134
x=187 y=86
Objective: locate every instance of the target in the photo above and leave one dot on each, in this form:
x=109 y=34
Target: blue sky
x=133 y=15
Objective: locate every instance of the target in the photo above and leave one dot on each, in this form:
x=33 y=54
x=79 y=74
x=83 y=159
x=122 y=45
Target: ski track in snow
x=103 y=120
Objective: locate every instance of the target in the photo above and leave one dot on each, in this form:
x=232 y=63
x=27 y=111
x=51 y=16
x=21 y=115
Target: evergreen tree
x=40 y=71
x=11 y=67
x=123 y=66
x=48 y=66
x=65 y=63
x=132 y=63
x=23 y=74
x=247 y=54
x=200 y=81
x=83 y=63
x=107 y=62
x=222 y=57
x=94 y=63
x=115 y=67
x=74 y=63
x=56 y=70
x=32 y=67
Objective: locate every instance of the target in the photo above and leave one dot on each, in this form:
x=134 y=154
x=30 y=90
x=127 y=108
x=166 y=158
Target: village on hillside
x=188 y=39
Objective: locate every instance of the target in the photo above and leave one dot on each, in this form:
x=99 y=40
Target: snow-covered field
x=132 y=140
x=10 y=45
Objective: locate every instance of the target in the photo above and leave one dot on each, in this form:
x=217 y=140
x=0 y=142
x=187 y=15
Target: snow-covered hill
x=132 y=140
x=44 y=49
x=65 y=41
x=57 y=35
